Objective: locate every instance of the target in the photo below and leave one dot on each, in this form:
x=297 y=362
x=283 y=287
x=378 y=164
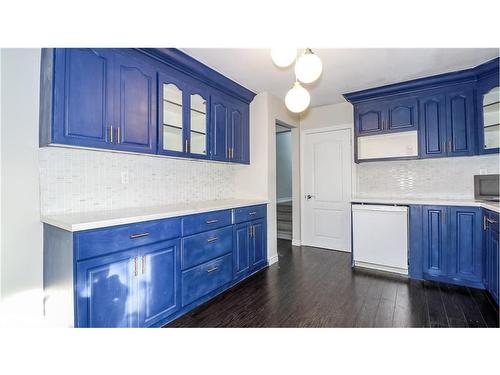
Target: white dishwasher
x=380 y=237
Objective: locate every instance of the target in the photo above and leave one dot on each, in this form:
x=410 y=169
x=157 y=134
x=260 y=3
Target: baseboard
x=296 y=242
x=273 y=259
x=284 y=200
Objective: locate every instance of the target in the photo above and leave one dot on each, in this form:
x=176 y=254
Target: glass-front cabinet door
x=197 y=142
x=172 y=116
x=489 y=115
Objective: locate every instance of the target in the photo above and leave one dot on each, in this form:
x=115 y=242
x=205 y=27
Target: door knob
x=309 y=196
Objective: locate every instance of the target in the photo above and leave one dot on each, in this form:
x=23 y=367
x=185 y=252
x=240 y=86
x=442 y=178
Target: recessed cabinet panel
x=220 y=128
x=460 y=122
x=402 y=115
x=432 y=132
x=369 y=120
x=434 y=241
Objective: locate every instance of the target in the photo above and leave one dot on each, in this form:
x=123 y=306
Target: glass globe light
x=297 y=98
x=283 y=57
x=308 y=67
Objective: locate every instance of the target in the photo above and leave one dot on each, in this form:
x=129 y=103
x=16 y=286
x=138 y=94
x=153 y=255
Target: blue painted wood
x=159 y=277
x=241 y=250
x=206 y=221
x=199 y=248
x=243 y=214
x=460 y=121
x=191 y=67
x=435 y=241
x=97 y=242
x=135 y=104
x=432 y=132
x=492 y=264
x=485 y=84
x=368 y=118
x=83 y=97
x=464 y=260
x=219 y=128
x=238 y=132
x=402 y=115
x=258 y=244
x=106 y=291
x=205 y=278
x=415 y=256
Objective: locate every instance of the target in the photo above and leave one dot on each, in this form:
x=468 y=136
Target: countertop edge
x=77 y=227
x=451 y=202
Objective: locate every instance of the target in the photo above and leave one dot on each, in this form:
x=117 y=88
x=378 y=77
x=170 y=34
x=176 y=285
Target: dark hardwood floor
x=311 y=287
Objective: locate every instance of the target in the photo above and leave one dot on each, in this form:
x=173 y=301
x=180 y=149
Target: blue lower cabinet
x=241 y=250
x=205 y=278
x=435 y=241
x=258 y=254
x=491 y=257
x=159 y=272
x=202 y=247
x=106 y=290
x=465 y=246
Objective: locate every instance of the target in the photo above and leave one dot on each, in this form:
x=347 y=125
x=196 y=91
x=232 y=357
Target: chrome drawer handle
x=138 y=235
x=212 y=269
x=212 y=239
x=211 y=221
x=490 y=221
x=253 y=213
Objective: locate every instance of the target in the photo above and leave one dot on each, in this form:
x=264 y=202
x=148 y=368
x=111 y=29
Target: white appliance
x=388 y=145
x=380 y=237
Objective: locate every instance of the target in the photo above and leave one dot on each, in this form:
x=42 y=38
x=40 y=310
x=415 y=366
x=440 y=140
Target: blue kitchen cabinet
x=241 y=250
x=402 y=114
x=368 y=118
x=135 y=105
x=460 y=121
x=198 y=120
x=488 y=126
x=435 y=241
x=107 y=291
x=219 y=128
x=464 y=260
x=258 y=244
x=159 y=270
x=432 y=132
x=239 y=136
x=82 y=94
x=492 y=265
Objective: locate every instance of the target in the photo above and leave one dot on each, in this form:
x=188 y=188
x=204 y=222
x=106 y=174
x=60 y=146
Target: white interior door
x=326 y=173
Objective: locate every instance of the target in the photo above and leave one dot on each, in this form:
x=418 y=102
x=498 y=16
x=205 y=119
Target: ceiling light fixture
x=297 y=99
x=308 y=67
x=283 y=57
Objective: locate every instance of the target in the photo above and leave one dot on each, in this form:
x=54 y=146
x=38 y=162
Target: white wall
x=21 y=241
x=284 y=165
x=327 y=115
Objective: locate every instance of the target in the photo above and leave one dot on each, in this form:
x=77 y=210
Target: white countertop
x=493 y=206
x=75 y=222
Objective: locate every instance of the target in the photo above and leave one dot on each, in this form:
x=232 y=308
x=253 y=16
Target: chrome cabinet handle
x=252 y=213
x=138 y=235
x=212 y=239
x=135 y=266
x=213 y=221
x=490 y=221
x=143 y=264
x=118 y=136
x=110 y=139
x=212 y=269
x=485 y=226
x=449 y=146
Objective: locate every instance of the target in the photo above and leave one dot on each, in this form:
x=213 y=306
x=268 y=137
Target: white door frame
x=325 y=129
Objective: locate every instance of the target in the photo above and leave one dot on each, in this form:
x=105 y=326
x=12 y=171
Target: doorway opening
x=284 y=181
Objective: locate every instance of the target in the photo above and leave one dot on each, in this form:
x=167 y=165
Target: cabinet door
x=460 y=122
x=107 y=291
x=83 y=97
x=488 y=117
x=197 y=129
x=241 y=250
x=402 y=115
x=238 y=133
x=160 y=282
x=368 y=119
x=492 y=262
x=258 y=245
x=435 y=240
x=465 y=248
x=219 y=129
x=135 y=105
x=432 y=129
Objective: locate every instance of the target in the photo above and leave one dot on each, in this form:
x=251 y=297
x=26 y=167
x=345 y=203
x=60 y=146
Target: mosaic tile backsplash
x=73 y=180
x=444 y=178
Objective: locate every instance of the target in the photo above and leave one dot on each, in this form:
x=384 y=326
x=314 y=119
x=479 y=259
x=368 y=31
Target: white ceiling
x=344 y=70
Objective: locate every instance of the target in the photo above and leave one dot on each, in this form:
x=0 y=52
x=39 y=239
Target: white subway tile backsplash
x=443 y=178
x=76 y=180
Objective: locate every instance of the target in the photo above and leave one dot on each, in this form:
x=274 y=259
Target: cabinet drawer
x=205 y=278
x=204 y=246
x=108 y=240
x=249 y=213
x=206 y=221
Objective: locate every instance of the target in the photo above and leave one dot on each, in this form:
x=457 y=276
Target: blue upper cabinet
x=83 y=88
x=135 y=105
x=158 y=101
x=455 y=114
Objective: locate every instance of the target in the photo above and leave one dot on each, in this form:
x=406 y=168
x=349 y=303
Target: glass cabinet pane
x=172 y=117
x=198 y=131
x=491 y=118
